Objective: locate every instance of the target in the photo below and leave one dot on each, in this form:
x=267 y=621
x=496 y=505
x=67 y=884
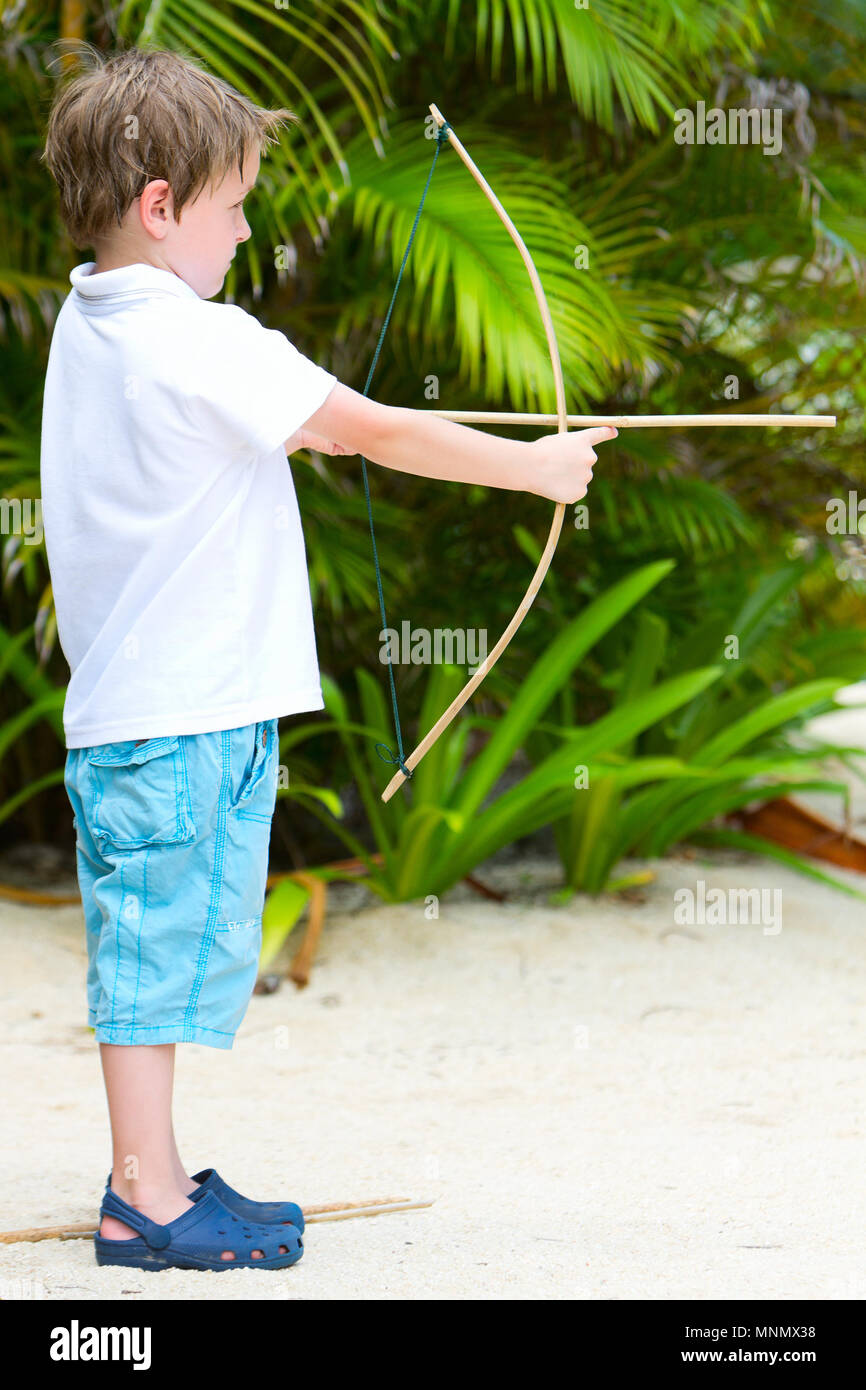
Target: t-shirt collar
x=127 y=280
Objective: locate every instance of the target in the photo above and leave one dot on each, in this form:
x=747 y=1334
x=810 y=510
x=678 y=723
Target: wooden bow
x=535 y=583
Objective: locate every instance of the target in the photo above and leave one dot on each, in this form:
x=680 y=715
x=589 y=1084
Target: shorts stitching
x=114 y=991
x=219 y=855
x=184 y=789
x=97 y=801
x=157 y=1027
x=141 y=917
x=152 y=1027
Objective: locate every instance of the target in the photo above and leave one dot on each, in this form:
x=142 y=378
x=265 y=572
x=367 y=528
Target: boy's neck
x=117 y=260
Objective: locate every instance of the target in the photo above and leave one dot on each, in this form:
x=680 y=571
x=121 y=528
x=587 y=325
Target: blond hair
x=139 y=115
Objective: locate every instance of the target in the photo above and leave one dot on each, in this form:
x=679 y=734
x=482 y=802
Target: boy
x=183 y=607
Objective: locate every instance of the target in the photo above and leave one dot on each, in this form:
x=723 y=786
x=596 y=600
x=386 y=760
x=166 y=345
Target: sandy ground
x=603 y=1103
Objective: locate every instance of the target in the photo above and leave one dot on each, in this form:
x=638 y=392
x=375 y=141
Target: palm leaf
x=467 y=283
x=626 y=55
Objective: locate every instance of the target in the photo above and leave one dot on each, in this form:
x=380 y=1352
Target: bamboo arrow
x=634 y=422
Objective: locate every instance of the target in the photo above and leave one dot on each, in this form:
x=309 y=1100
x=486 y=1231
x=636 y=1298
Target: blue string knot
x=390 y=757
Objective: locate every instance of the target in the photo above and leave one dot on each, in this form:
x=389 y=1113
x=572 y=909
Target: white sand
x=603 y=1104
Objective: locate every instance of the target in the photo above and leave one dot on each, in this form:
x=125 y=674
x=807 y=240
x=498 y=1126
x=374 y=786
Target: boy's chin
x=214 y=287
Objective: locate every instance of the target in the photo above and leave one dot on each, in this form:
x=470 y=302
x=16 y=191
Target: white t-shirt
x=171 y=525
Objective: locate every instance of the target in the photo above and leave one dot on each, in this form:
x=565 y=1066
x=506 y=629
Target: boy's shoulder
x=214 y=320
x=207 y=335
x=216 y=361
x=155 y=296
x=168 y=332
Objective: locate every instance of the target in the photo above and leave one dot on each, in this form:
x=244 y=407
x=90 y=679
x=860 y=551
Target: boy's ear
x=156 y=207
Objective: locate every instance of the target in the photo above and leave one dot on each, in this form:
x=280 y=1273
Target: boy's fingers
x=599 y=434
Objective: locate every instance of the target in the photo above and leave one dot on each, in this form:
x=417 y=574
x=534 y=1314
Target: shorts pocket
x=257 y=794
x=140 y=793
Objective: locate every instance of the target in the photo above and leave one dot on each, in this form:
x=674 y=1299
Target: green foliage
x=449 y=818
x=719 y=739
x=703 y=265
x=44 y=703
x=436 y=833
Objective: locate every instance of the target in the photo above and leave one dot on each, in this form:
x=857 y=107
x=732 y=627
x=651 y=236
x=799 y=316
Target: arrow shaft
x=631 y=422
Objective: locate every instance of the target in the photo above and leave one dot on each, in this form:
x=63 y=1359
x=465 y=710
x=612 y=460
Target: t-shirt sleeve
x=247 y=386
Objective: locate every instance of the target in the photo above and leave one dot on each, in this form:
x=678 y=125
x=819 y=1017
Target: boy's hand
x=562 y=467
x=305 y=439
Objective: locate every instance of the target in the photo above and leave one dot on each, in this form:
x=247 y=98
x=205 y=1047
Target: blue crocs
x=196 y=1239
x=286 y=1213
x=209 y=1180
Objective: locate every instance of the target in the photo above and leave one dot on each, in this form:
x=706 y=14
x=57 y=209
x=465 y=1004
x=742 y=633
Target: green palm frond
x=347 y=40
x=30 y=301
x=29 y=294
x=19 y=456
x=336 y=531
x=636 y=55
x=465 y=271
x=690 y=514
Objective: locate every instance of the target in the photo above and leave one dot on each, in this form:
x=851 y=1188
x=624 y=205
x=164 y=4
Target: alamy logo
x=713 y=907
x=420 y=647
x=21 y=1288
x=738 y=126
x=846 y=516
x=22 y=516
x=76 y=1343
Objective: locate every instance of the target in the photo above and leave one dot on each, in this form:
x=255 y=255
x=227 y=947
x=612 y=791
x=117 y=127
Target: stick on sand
x=330 y=1211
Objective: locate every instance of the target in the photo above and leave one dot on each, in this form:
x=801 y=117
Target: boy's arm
x=557 y=466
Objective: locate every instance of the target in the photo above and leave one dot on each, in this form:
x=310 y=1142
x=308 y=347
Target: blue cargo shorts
x=172 y=837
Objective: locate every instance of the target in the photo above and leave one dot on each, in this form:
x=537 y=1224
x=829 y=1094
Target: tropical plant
x=704 y=266
x=42 y=703
x=605 y=798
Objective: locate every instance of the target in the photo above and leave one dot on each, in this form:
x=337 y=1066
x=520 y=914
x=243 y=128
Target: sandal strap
x=157 y=1237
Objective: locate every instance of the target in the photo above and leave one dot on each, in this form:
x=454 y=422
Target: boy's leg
x=216 y=792
x=138 y=1083
x=146 y=1169
x=186 y=1183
